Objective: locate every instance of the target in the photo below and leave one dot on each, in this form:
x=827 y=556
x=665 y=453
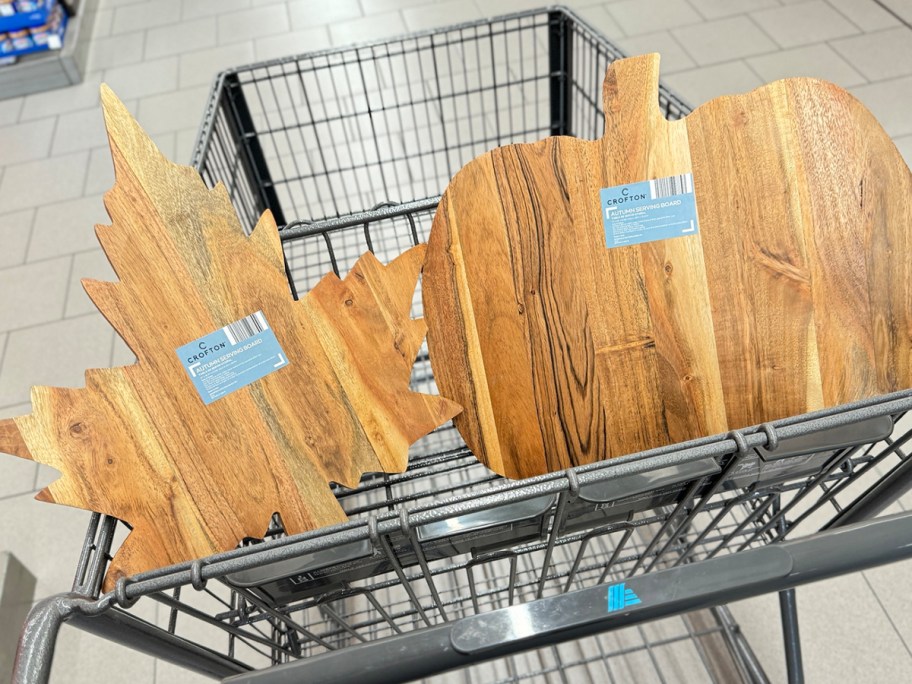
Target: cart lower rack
x=614 y=571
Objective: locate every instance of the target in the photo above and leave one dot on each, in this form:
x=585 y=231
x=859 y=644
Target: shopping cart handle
x=577 y=614
x=634 y=600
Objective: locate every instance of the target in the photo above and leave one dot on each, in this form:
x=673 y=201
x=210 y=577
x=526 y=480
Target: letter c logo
x=202 y=345
x=624 y=192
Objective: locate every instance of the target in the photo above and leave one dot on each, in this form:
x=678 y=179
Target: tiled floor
x=161 y=55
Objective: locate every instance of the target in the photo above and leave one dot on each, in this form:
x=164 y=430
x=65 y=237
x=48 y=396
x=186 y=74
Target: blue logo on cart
x=619 y=597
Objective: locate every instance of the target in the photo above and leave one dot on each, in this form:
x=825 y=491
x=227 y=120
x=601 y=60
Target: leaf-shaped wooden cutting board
x=794 y=293
x=193 y=478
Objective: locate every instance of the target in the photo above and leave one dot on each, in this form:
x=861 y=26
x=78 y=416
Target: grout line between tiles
x=69 y=284
x=26 y=492
x=890 y=11
x=847 y=18
x=28 y=240
x=74 y=252
x=750 y=67
x=887 y=614
x=6 y=342
x=113 y=346
x=38 y=325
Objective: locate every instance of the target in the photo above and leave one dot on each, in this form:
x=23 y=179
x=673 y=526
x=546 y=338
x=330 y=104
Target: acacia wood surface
x=794 y=295
x=138 y=442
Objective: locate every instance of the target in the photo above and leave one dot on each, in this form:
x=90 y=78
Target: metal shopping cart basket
x=614 y=571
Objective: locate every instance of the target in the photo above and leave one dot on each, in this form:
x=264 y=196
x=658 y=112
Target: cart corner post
x=560 y=69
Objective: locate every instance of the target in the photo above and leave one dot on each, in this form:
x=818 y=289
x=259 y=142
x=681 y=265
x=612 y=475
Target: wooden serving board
x=194 y=479
x=795 y=294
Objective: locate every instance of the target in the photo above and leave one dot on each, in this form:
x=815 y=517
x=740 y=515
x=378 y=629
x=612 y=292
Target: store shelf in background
x=49 y=36
x=47 y=70
x=15 y=16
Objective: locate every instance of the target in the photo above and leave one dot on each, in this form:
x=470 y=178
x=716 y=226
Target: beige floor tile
x=46 y=538
x=15 y=410
x=31 y=294
x=144 y=15
x=185 y=142
x=121 y=354
x=104 y=22
x=40 y=182
x=200 y=68
x=210 y=8
x=889 y=582
x=15 y=230
x=237 y=27
x=865 y=14
x=26 y=361
x=306 y=14
x=17 y=476
x=167 y=673
x=82 y=96
x=804 y=23
x=195 y=34
x=26 y=141
x=817 y=61
x=45 y=475
x=100 y=174
x=724 y=40
x=600 y=19
x=902 y=8
x=715 y=9
x=94 y=265
x=84 y=658
x=66 y=227
x=647 y=16
x=440 y=14
x=114 y=51
x=141 y=80
x=173 y=111
x=81 y=130
x=9 y=110
x=697 y=86
x=292 y=43
x=367 y=28
x=905 y=148
x=891 y=102
x=880 y=55
x=759 y=620
x=674 y=56
x=380 y=6
x=832 y=615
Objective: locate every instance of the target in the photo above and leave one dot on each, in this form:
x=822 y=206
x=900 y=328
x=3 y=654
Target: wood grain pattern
x=796 y=293
x=138 y=442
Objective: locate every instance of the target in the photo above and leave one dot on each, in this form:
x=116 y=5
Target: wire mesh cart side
x=604 y=572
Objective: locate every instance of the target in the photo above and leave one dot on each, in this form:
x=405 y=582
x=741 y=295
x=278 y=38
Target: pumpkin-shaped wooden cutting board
x=243 y=402
x=792 y=291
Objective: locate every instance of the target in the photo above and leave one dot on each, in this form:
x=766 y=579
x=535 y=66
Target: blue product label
x=233 y=357
x=651 y=210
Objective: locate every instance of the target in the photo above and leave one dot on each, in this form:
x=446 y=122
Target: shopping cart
x=614 y=571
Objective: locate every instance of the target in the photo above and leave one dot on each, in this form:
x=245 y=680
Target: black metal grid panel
x=334 y=132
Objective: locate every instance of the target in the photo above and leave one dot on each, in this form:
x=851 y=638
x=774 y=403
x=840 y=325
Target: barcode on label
x=246 y=328
x=670 y=186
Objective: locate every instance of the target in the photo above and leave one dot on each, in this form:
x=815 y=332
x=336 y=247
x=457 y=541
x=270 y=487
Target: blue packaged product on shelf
x=23 y=6
x=48 y=36
x=18 y=15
